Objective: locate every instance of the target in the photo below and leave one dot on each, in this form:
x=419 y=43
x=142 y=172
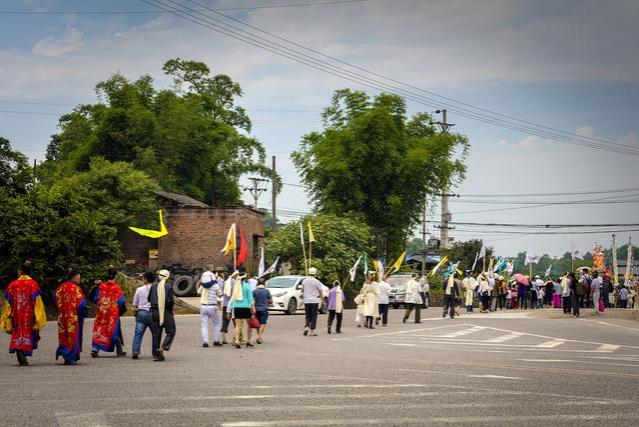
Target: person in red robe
x=23 y=314
x=109 y=299
x=71 y=306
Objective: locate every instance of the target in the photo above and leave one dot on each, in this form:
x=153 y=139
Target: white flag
x=272 y=268
x=475 y=262
x=548 y=271
x=575 y=253
x=531 y=258
x=261 y=267
x=510 y=267
x=353 y=271
x=628 y=264
x=482 y=251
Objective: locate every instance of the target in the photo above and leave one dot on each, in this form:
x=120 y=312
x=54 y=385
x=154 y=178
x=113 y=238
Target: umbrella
x=521 y=279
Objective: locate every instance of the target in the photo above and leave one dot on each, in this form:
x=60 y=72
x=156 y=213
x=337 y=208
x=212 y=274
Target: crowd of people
x=245 y=303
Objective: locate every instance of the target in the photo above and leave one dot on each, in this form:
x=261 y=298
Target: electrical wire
x=545 y=132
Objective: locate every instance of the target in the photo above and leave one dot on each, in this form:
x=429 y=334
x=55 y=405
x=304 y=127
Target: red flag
x=241 y=257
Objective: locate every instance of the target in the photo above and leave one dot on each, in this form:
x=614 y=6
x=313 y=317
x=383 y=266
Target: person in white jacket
x=469 y=284
x=413 y=299
x=210 y=293
x=382 y=301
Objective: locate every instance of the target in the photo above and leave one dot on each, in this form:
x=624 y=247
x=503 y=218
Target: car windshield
x=398 y=281
x=281 y=282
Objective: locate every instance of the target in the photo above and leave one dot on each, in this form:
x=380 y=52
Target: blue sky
x=570 y=65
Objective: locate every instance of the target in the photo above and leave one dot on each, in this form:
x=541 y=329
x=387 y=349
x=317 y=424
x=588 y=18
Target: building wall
x=197 y=235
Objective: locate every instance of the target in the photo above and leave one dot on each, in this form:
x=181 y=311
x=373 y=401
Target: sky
x=571 y=66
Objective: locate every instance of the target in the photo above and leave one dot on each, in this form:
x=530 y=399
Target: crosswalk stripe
x=550 y=344
x=504 y=338
x=461 y=333
x=607 y=347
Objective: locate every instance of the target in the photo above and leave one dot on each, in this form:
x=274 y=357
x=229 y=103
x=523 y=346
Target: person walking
x=226 y=299
x=162 y=302
x=469 y=284
x=413 y=300
x=262 y=300
x=336 y=300
x=142 y=310
x=384 y=289
x=312 y=295
x=23 y=315
x=71 y=306
x=578 y=292
x=450 y=295
x=110 y=302
x=483 y=293
x=595 y=289
x=210 y=306
x=503 y=292
x=624 y=295
x=241 y=308
x=566 y=294
x=370 y=292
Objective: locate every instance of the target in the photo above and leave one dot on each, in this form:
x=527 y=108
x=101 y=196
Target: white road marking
x=499 y=377
x=550 y=344
x=608 y=347
x=504 y=338
x=546 y=360
x=461 y=333
x=400 y=332
x=400 y=344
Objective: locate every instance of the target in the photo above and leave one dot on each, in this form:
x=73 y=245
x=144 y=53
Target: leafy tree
x=14 y=167
x=74 y=221
x=191 y=139
x=340 y=241
x=373 y=160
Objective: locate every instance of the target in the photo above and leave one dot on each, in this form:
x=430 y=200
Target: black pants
x=502 y=301
x=409 y=310
x=577 y=301
x=449 y=306
x=383 y=313
x=332 y=314
x=225 y=320
x=484 y=302
x=156 y=331
x=565 y=302
x=311 y=315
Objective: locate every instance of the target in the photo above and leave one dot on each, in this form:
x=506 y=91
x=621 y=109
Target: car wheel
x=183 y=286
x=292 y=306
x=324 y=306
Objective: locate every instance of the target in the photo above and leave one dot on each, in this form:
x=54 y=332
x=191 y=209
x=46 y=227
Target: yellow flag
x=154 y=234
x=439 y=264
x=379 y=268
x=311 y=236
x=396 y=266
x=230 y=240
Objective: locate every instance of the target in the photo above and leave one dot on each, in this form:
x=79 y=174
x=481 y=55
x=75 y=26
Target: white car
x=286 y=292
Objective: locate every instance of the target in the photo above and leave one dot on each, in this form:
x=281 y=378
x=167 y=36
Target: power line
x=155 y=12
x=491 y=224
x=571 y=193
x=514 y=124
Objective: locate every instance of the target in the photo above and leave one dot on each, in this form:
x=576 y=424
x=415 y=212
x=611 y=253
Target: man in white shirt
x=312 y=294
x=595 y=289
x=142 y=308
x=382 y=300
x=210 y=293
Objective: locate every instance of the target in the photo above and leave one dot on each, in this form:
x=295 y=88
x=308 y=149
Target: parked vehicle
x=398 y=289
x=184 y=279
x=287 y=294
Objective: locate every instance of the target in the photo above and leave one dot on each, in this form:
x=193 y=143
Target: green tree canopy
x=14 y=167
x=74 y=221
x=340 y=241
x=465 y=253
x=373 y=160
x=191 y=139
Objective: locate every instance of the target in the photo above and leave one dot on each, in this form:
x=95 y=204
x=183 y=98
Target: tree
x=74 y=221
x=340 y=241
x=465 y=252
x=373 y=160
x=14 y=167
x=191 y=139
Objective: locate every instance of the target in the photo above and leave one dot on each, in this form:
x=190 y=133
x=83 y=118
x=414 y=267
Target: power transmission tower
x=256 y=190
x=446 y=215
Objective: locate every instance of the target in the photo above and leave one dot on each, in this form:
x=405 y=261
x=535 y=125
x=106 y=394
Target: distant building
x=197 y=234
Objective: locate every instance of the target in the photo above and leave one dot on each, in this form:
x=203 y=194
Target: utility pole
x=273 y=198
x=445 y=215
x=256 y=190
x=424 y=242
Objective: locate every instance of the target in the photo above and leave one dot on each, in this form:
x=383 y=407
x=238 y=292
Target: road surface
x=495 y=369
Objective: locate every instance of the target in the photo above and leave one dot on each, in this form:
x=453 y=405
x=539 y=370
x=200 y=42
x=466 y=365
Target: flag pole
x=303 y=247
x=310 y=252
x=234 y=248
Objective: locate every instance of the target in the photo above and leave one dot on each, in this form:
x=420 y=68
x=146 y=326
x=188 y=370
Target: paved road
x=496 y=369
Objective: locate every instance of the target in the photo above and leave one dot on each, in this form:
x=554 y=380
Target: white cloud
x=71 y=41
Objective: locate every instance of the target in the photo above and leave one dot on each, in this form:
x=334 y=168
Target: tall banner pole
x=615 y=267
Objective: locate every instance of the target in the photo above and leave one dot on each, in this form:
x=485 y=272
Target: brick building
x=197 y=234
